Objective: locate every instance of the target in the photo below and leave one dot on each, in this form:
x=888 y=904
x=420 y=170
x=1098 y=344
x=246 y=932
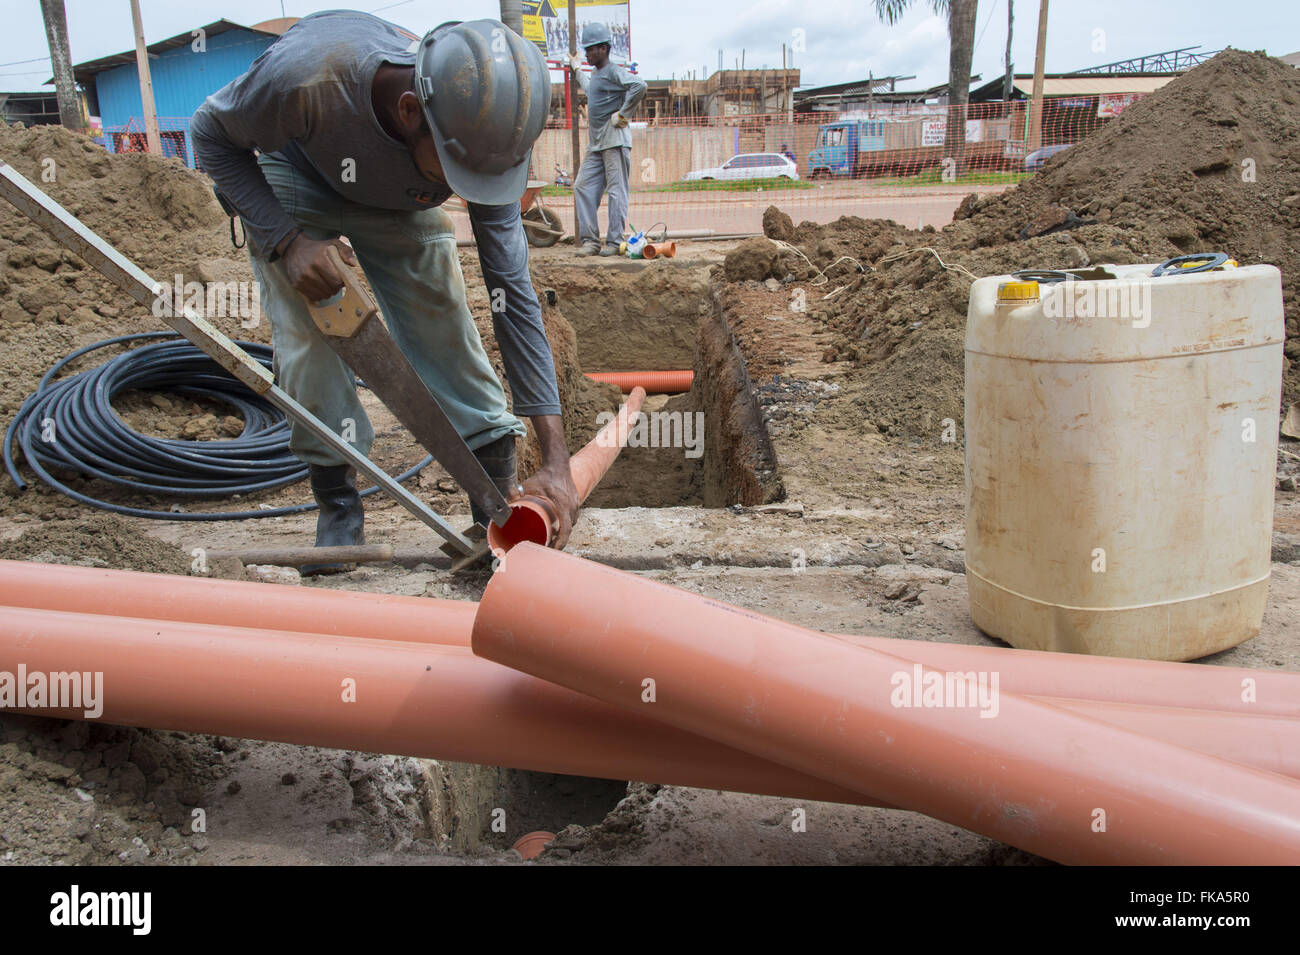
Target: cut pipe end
x=530 y=520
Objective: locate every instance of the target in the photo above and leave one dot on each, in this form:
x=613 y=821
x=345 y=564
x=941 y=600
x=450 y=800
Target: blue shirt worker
x=612 y=93
x=350 y=126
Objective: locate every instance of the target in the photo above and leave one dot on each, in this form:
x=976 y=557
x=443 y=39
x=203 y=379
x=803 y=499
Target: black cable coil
x=71 y=424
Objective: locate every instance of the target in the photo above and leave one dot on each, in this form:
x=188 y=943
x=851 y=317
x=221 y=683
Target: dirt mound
x=754 y=260
x=160 y=214
x=90 y=793
x=99 y=540
x=1210 y=162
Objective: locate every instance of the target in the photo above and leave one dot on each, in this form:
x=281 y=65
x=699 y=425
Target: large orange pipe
x=1252 y=737
x=429 y=620
x=1271 y=743
x=234 y=603
x=654 y=382
x=428 y=700
x=1037 y=776
x=531 y=518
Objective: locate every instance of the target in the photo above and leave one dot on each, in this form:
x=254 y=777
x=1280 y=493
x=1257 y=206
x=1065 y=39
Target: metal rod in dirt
x=297 y=556
x=73 y=234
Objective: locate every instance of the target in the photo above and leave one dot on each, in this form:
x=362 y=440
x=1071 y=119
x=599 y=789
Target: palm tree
x=65 y=86
x=961 y=49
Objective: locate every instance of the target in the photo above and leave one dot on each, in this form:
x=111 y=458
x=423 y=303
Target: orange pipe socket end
x=654 y=249
x=1027 y=772
x=654 y=382
x=531 y=518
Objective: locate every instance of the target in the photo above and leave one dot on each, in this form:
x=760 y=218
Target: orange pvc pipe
x=1192 y=686
x=438 y=702
x=654 y=382
x=1034 y=775
x=531 y=518
x=1271 y=743
x=429 y=620
x=234 y=603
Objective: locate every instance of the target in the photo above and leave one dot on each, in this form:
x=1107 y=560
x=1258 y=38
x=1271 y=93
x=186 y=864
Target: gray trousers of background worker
x=411 y=263
x=601 y=170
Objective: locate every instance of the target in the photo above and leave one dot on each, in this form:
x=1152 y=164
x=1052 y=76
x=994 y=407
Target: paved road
x=729 y=213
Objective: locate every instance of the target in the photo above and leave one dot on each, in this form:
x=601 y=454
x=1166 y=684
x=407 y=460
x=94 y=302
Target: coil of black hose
x=71 y=424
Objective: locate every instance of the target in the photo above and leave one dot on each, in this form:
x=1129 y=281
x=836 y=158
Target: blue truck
x=839 y=146
x=900 y=145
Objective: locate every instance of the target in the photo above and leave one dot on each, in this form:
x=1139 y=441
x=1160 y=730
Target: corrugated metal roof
x=83 y=71
x=1097 y=85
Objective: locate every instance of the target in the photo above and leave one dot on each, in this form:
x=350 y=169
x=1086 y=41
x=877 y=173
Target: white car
x=749 y=166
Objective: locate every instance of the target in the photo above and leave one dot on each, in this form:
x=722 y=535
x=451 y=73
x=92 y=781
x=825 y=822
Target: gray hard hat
x=594 y=33
x=486 y=93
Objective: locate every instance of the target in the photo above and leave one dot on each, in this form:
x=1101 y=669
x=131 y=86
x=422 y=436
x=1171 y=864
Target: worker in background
x=612 y=93
x=349 y=125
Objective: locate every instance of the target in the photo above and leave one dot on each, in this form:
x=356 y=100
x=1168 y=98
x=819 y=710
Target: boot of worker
x=341 y=518
x=498 y=460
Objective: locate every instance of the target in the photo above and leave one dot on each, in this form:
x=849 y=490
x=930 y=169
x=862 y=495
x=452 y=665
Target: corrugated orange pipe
x=654 y=382
x=429 y=620
x=1033 y=775
x=378 y=696
x=531 y=518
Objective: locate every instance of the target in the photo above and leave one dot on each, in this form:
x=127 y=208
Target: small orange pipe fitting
x=653 y=250
x=1037 y=776
x=530 y=845
x=654 y=382
x=531 y=518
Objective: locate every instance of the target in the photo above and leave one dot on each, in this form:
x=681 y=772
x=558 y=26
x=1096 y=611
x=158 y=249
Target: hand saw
x=352 y=326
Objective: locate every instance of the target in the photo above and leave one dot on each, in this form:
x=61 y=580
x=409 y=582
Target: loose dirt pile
x=1211 y=162
x=78 y=793
x=95 y=540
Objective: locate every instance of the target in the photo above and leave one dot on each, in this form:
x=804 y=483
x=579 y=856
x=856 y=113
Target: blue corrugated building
x=184 y=73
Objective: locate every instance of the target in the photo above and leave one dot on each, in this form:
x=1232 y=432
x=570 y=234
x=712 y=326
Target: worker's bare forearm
x=550 y=435
x=553 y=482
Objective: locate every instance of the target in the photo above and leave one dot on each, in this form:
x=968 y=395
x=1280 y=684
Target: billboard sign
x=1112 y=104
x=546 y=23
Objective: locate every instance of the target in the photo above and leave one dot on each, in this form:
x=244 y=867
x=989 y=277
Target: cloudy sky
x=843 y=40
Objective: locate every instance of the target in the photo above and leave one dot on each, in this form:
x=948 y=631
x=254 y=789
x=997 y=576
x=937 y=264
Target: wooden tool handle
x=349 y=309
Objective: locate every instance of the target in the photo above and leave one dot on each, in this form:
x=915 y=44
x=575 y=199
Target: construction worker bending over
x=612 y=93
x=349 y=125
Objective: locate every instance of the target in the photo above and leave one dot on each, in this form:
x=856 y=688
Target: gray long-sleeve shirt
x=610 y=89
x=307 y=100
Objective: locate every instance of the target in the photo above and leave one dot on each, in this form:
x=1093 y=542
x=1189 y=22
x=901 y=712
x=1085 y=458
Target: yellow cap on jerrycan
x=1017 y=293
x=1121 y=451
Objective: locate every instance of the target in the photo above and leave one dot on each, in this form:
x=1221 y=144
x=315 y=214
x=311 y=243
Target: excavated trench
x=705 y=448
x=644 y=317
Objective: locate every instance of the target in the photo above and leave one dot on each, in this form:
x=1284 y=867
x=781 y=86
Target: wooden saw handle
x=346 y=311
